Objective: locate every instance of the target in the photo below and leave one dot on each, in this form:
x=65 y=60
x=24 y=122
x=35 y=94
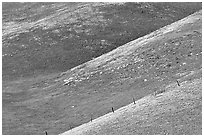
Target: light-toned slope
x=122 y=55
x=175 y=111
x=150 y=115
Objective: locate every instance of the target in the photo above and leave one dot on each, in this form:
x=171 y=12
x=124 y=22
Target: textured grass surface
x=177 y=111
x=44 y=38
x=139 y=68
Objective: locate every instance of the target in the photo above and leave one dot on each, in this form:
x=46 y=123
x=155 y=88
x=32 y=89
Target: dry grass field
x=60 y=101
x=177 y=111
x=44 y=38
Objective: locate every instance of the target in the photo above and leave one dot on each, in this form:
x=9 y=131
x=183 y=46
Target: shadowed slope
x=136 y=69
x=164 y=51
x=44 y=38
x=177 y=33
x=176 y=111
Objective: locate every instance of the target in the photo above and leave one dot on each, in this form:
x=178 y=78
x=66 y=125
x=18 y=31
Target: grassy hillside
x=175 y=111
x=58 y=102
x=44 y=38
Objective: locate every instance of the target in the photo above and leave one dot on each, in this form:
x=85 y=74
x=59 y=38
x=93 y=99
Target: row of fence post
x=112 y=109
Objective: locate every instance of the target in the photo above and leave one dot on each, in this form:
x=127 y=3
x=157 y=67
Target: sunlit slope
x=58 y=103
x=43 y=38
x=179 y=44
x=178 y=110
x=158 y=55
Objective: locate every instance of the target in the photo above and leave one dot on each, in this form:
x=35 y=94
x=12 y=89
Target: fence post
x=177 y=82
x=134 y=100
x=91 y=118
x=112 y=109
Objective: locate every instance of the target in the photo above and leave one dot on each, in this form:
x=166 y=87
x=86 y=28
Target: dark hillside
x=44 y=38
x=177 y=111
x=59 y=102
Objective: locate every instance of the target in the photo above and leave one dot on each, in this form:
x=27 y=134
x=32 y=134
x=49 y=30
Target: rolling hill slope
x=178 y=35
x=55 y=103
x=176 y=111
x=44 y=38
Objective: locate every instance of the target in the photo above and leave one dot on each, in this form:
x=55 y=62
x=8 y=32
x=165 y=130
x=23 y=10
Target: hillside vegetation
x=44 y=38
x=61 y=101
x=151 y=62
x=176 y=111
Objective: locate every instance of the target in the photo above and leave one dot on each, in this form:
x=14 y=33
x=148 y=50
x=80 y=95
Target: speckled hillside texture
x=59 y=102
x=45 y=38
x=167 y=62
x=177 y=111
